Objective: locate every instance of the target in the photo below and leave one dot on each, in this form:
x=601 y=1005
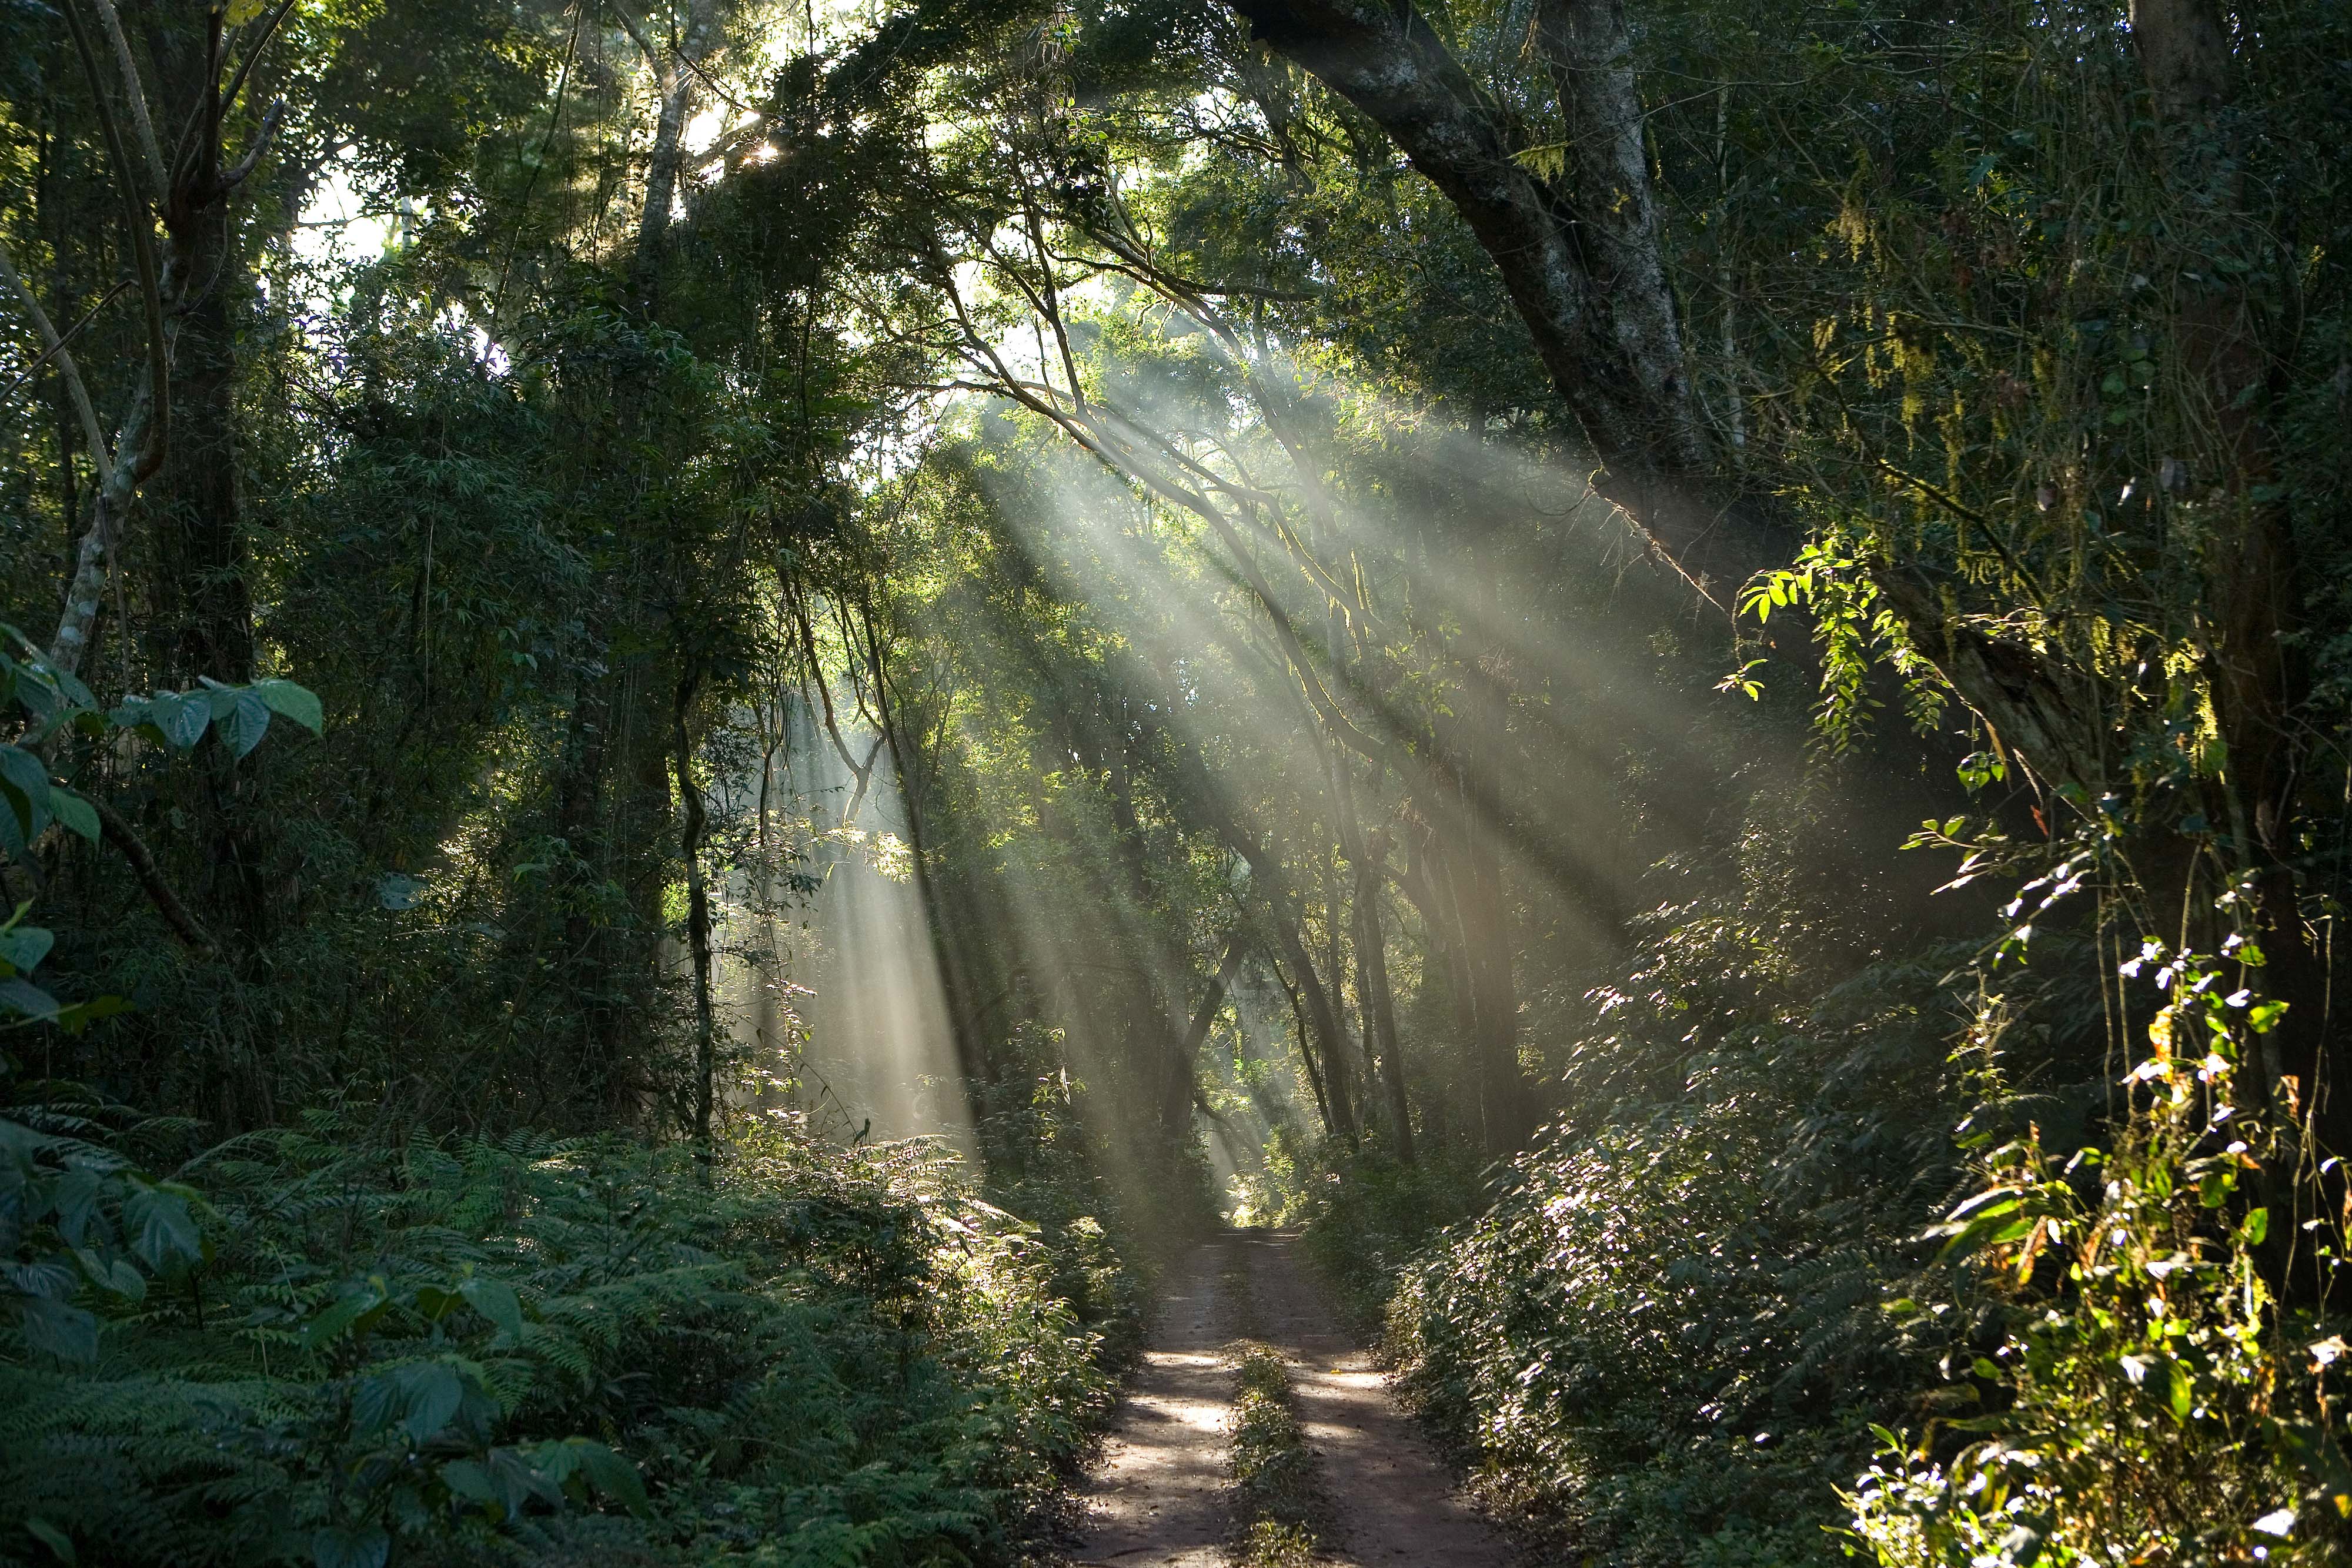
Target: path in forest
x=1161 y=1498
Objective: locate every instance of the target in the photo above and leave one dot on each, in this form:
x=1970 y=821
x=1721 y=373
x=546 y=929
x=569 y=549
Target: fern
x=820 y=1352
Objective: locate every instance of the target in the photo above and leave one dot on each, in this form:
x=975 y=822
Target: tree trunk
x=676 y=75
x=697 y=915
x=1374 y=1000
x=2253 y=595
x=1184 y=1066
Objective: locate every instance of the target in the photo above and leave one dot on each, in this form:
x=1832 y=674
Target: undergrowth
x=1665 y=1338
x=311 y=1346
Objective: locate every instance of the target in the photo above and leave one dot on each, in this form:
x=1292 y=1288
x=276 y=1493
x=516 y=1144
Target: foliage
x=2151 y=1395
x=1664 y=1338
x=501 y=1349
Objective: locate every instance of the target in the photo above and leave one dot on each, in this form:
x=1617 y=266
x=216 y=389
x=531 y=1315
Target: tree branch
x=149 y=456
x=160 y=894
x=54 y=348
x=134 y=94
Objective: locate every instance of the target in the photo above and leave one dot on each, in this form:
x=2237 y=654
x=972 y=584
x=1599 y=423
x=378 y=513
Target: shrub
x=1665 y=1339
x=2150 y=1399
x=338 y=1352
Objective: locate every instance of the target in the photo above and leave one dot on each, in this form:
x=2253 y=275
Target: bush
x=1664 y=1340
x=2149 y=1400
x=315 y=1349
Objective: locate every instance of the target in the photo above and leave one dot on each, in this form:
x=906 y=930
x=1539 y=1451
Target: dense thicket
x=1308 y=609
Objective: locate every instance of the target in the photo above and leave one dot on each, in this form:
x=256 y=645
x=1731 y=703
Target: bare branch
x=160 y=892
x=261 y=140
x=150 y=455
x=134 y=94
x=269 y=30
x=53 y=346
x=56 y=347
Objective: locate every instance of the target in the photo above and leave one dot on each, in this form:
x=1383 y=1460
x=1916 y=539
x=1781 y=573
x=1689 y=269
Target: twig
x=56 y=348
x=653 y=59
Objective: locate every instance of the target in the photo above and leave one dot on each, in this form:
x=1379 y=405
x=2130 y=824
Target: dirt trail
x=1161 y=1499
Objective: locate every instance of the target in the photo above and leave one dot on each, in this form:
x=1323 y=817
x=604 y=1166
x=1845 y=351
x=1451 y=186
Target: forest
x=766 y=754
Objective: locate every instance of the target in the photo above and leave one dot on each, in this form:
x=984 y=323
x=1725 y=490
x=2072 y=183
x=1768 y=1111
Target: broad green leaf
x=341 y=1316
x=293 y=701
x=430 y=1395
x=78 y=814
x=337 y=1546
x=126 y=1282
x=22 y=998
x=612 y=1475
x=60 y=1544
x=23 y=947
x=58 y=1329
x=433 y=1303
x=468 y=1480
x=181 y=720
x=161 y=1228
x=495 y=1300
x=246 y=723
x=73 y=1200
x=25 y=785
x=70 y=687
x=375 y=1404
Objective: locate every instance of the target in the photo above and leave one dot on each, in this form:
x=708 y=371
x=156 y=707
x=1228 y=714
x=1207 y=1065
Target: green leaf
x=181 y=720
x=126 y=1282
x=430 y=1395
x=247 y=722
x=433 y=1303
x=161 y=1228
x=2180 y=1392
x=2255 y=1228
x=58 y=1329
x=78 y=814
x=70 y=687
x=614 y=1476
x=60 y=1544
x=375 y=1404
x=25 y=785
x=468 y=1480
x=22 y=998
x=331 y=1324
x=495 y=1300
x=293 y=701
x=81 y=1015
x=73 y=1200
x=24 y=947
x=337 y=1546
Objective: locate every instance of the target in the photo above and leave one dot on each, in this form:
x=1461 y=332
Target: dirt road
x=1162 y=1497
